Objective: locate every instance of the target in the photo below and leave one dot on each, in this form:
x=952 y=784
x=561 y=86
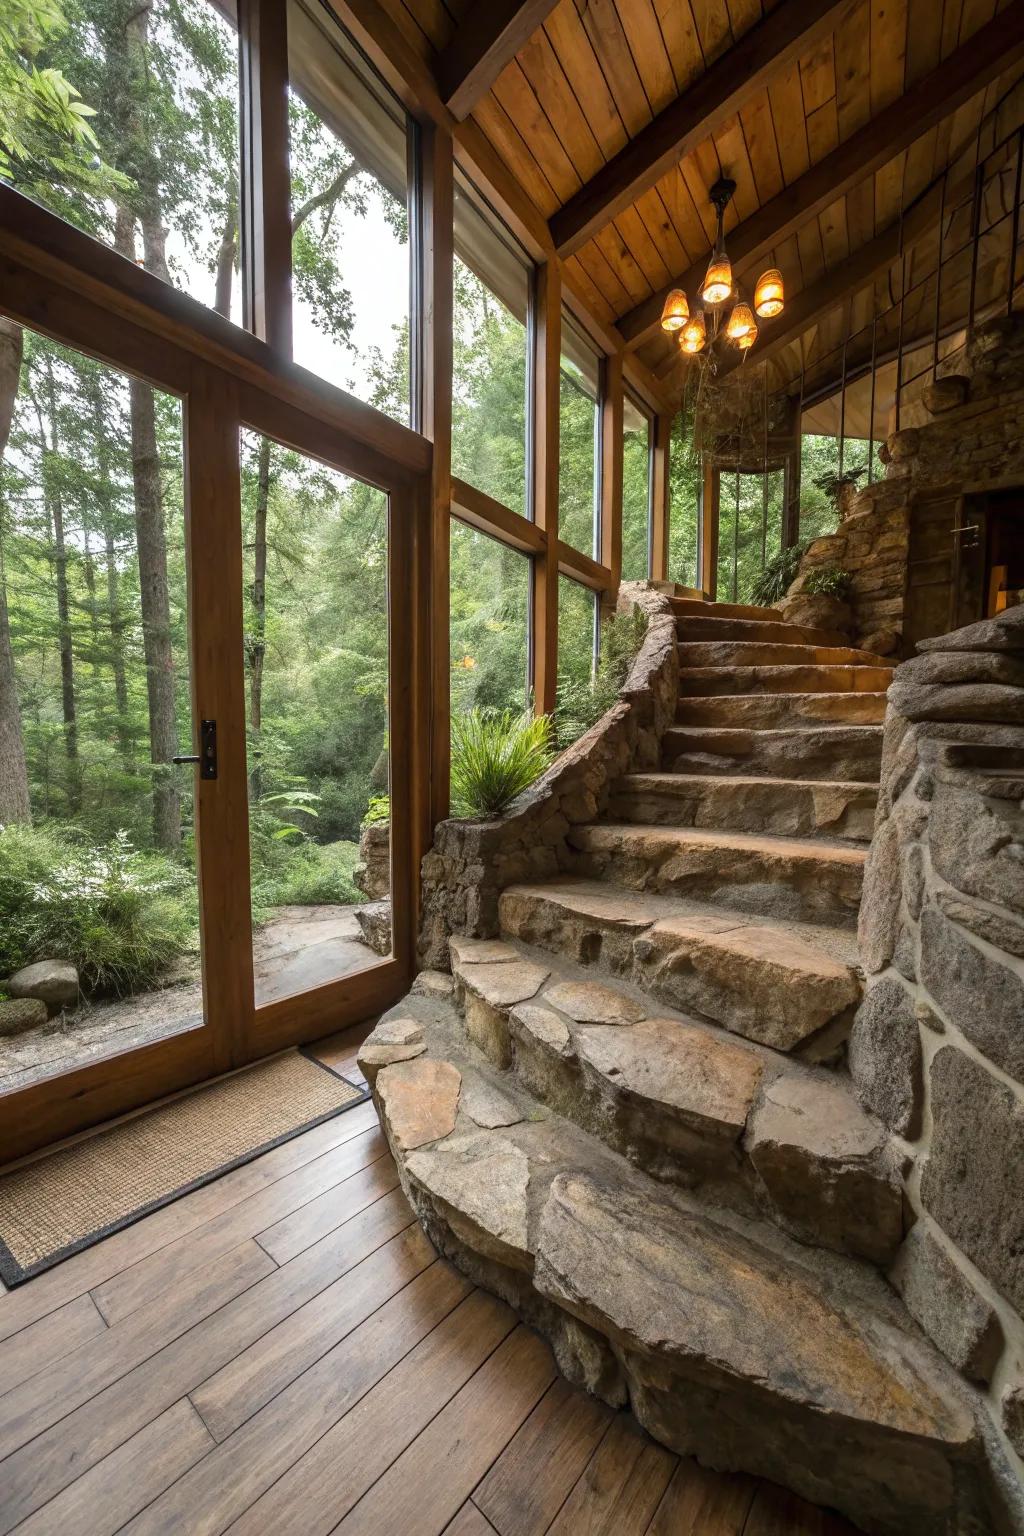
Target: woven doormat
x=71 y=1199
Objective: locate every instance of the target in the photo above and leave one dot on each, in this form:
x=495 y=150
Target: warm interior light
x=718 y=282
x=769 y=295
x=694 y=333
x=748 y=338
x=676 y=311
x=741 y=323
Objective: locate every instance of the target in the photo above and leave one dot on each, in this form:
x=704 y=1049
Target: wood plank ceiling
x=595 y=73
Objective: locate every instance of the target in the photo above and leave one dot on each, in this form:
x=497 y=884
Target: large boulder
x=53 y=982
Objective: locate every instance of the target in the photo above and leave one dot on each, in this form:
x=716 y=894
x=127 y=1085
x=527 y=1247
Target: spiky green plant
x=828 y=581
x=495 y=757
x=772 y=584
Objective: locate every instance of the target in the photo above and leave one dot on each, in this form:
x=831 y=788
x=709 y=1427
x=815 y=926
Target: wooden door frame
x=216 y=401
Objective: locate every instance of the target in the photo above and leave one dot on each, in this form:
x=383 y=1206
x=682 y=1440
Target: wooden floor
x=282 y=1352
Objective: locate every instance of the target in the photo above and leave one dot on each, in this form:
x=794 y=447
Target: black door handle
x=206 y=757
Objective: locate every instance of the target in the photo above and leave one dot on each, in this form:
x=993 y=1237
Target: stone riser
x=688 y=607
x=745 y=653
x=784 y=808
x=783 y=883
x=762 y=983
x=780 y=711
x=830 y=754
x=704 y=682
x=767 y=630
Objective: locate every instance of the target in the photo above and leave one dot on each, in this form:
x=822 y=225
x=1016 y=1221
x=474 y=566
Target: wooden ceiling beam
x=994 y=48
x=784 y=34
x=488 y=39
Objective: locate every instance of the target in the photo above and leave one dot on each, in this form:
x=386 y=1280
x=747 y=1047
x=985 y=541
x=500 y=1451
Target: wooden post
x=265 y=205
x=436 y=204
x=660 y=498
x=547 y=342
x=611 y=473
x=709 y=531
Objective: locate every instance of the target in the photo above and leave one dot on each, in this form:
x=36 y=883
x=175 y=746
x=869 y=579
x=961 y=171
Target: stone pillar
x=373 y=873
x=937 y=1047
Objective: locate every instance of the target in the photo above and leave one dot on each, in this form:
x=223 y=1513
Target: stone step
x=700 y=627
x=792 y=988
x=832 y=752
x=783 y=807
x=684 y=1101
x=757 y=653
x=687 y=607
x=789 y=878
x=779 y=711
x=718 y=681
x=728 y=1339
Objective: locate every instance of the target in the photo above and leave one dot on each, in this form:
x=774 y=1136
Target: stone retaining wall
x=472 y=862
x=965 y=434
x=373 y=872
x=937 y=1048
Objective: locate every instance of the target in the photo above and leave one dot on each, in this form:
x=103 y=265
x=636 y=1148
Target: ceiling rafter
x=768 y=47
x=993 y=49
x=488 y=39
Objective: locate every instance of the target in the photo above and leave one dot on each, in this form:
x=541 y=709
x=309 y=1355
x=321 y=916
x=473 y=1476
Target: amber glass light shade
x=676 y=311
x=741 y=322
x=694 y=333
x=769 y=295
x=746 y=341
x=718 y=282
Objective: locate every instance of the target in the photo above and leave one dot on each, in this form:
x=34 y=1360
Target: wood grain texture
x=31 y=1350
x=621 y=1487
x=488 y=39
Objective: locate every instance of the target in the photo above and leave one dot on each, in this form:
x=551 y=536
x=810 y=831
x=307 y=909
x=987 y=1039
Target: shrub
x=780 y=570
x=310 y=875
x=579 y=705
x=120 y=916
x=495 y=757
x=378 y=811
x=828 y=581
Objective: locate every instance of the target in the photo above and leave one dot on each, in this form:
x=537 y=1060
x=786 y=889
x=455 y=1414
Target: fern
x=495 y=757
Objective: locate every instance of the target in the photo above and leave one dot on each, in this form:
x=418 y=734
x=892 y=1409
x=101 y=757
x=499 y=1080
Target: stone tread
x=689 y=607
x=701 y=628
x=759 y=653
x=730 y=1334
x=785 y=807
x=828 y=752
x=719 y=681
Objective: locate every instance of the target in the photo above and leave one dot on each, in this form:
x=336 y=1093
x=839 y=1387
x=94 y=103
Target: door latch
x=206 y=757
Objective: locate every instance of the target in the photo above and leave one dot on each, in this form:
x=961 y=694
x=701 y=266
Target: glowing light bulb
x=770 y=294
x=676 y=311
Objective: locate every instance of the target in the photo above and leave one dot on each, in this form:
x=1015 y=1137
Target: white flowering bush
x=122 y=916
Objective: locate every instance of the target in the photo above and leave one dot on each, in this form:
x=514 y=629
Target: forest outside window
x=749 y=530
x=684 y=480
x=579 y=489
x=351 y=242
x=490 y=605
x=143 y=154
x=490 y=378
x=637 y=447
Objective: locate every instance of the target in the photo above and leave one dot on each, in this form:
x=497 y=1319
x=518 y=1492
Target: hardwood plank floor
x=283 y=1352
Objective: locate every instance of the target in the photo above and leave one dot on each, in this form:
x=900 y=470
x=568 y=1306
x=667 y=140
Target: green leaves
x=495 y=757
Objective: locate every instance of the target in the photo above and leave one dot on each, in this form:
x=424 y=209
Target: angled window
x=684 y=506
x=351 y=262
x=490 y=375
x=637 y=452
x=143 y=154
x=579 y=450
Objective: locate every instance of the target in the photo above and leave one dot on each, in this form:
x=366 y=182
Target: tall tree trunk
x=115 y=619
x=149 y=515
x=227 y=253
x=69 y=707
x=14 y=798
x=258 y=639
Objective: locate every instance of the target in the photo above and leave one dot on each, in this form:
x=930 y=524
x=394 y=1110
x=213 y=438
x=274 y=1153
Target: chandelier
x=691 y=326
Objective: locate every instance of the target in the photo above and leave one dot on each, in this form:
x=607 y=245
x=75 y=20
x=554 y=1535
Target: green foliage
x=378 y=811
x=832 y=484
x=828 y=581
x=780 y=569
x=44 y=115
x=121 y=916
x=495 y=757
x=314 y=874
x=583 y=699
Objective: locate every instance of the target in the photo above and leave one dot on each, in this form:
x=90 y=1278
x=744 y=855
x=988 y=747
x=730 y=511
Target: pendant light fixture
x=741 y=329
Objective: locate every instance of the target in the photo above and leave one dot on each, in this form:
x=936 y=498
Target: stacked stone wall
x=472 y=862
x=937 y=1048
x=965 y=434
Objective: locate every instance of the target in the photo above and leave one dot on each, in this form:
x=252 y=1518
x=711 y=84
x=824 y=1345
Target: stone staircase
x=629 y=1113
